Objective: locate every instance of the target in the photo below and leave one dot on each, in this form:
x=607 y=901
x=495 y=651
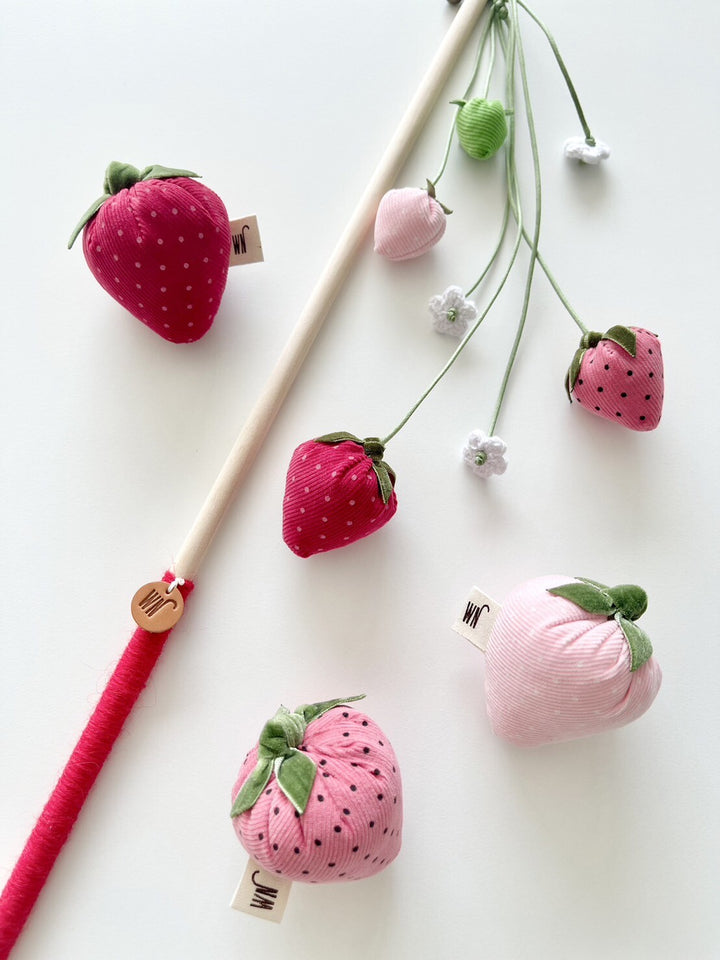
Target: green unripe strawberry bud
x=481 y=127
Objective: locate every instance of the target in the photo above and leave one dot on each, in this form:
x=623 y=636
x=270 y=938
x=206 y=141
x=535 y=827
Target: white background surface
x=605 y=848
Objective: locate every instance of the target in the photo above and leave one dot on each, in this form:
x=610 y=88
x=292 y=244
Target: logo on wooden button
x=156 y=608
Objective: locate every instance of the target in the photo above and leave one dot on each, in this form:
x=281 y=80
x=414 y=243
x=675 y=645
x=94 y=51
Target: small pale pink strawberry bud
x=409 y=222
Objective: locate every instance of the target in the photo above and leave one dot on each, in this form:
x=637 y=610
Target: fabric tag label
x=477 y=621
x=245 y=243
x=262 y=894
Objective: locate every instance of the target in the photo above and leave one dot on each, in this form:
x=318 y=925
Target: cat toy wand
x=158 y=606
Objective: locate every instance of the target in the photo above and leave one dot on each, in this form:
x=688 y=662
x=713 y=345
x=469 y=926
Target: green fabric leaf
x=158 y=172
x=339 y=437
x=587 y=596
x=595 y=583
x=86 y=217
x=574 y=371
x=624 y=337
x=630 y=600
x=253 y=787
x=311 y=711
x=639 y=642
x=295 y=776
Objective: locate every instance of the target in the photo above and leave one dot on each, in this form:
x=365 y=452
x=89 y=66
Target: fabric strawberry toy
x=565 y=659
x=319 y=798
x=481 y=126
x=338 y=490
x=159 y=243
x=618 y=375
x=409 y=222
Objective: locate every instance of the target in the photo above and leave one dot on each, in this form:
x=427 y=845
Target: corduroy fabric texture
x=332 y=498
x=619 y=387
x=408 y=223
x=352 y=825
x=481 y=127
x=556 y=672
x=161 y=248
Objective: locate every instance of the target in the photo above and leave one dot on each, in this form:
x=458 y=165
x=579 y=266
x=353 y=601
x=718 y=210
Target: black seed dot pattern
x=618 y=387
x=351 y=828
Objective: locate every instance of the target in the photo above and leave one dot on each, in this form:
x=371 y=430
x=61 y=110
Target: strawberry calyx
x=624 y=604
x=122 y=176
x=374 y=449
x=430 y=189
x=278 y=753
x=623 y=336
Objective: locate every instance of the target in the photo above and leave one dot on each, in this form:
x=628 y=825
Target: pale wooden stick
x=268 y=404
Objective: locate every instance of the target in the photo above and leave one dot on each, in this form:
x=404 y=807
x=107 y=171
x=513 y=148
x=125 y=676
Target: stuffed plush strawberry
x=409 y=221
x=481 y=127
x=566 y=659
x=618 y=375
x=159 y=243
x=338 y=490
x=319 y=798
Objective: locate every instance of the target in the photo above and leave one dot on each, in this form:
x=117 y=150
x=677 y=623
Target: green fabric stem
x=374 y=448
x=623 y=336
x=624 y=604
x=122 y=176
x=278 y=753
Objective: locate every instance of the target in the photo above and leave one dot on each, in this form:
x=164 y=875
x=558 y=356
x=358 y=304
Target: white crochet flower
x=452 y=313
x=577 y=148
x=485 y=455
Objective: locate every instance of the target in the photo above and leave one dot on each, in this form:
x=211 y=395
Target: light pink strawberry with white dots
x=161 y=248
x=333 y=497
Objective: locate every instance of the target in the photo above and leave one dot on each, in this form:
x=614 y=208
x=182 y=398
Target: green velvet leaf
x=295 y=776
x=253 y=787
x=639 y=642
x=86 y=217
x=587 y=596
x=574 y=371
x=311 y=711
x=158 y=172
x=386 y=479
x=624 y=337
x=339 y=437
x=630 y=600
x=595 y=583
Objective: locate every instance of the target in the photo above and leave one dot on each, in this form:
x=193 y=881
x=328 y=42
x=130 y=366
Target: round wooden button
x=156 y=608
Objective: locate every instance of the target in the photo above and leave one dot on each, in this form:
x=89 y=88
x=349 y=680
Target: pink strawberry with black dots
x=338 y=490
x=618 y=375
x=319 y=798
x=159 y=243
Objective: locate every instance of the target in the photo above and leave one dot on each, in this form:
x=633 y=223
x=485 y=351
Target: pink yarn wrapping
x=625 y=389
x=352 y=826
x=408 y=223
x=58 y=817
x=161 y=248
x=556 y=672
x=331 y=498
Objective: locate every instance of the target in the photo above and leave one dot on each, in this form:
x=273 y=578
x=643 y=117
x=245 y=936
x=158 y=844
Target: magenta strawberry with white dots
x=618 y=375
x=319 y=798
x=159 y=243
x=338 y=490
